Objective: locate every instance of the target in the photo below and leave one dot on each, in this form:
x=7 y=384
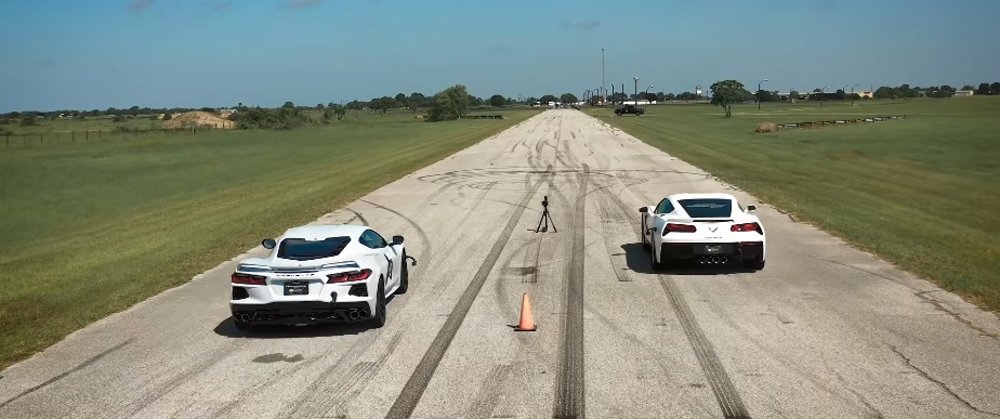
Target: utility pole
x=612 y=94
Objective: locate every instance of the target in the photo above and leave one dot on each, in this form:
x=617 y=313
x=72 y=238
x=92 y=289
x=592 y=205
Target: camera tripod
x=546 y=218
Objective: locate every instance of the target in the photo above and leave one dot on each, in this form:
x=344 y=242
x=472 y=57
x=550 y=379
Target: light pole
x=646 y=93
x=602 y=74
x=636 y=90
x=852 y=93
x=758 y=93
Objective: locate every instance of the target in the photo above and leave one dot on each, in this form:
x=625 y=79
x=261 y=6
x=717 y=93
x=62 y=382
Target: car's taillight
x=746 y=227
x=240 y=278
x=680 y=228
x=348 y=276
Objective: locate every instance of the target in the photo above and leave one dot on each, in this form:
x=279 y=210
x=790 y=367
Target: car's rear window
x=302 y=249
x=708 y=207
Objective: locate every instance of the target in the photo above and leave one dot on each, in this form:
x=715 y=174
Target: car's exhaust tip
x=245 y=317
x=713 y=260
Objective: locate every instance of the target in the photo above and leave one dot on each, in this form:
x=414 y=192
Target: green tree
x=984 y=89
x=416 y=100
x=320 y=106
x=168 y=116
x=548 y=98
x=727 y=92
x=968 y=87
x=288 y=105
x=568 y=98
x=995 y=88
x=450 y=103
x=401 y=99
x=497 y=101
x=884 y=92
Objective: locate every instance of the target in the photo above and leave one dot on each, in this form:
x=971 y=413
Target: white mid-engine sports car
x=713 y=229
x=318 y=274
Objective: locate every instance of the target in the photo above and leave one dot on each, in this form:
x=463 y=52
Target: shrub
x=766 y=127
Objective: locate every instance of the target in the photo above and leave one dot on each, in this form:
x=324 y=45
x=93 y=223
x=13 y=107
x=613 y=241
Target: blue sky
x=102 y=53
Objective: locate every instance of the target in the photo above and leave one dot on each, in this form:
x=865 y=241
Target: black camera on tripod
x=546 y=218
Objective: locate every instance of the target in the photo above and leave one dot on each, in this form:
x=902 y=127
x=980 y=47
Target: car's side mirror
x=268 y=243
x=644 y=210
x=397 y=240
x=751 y=208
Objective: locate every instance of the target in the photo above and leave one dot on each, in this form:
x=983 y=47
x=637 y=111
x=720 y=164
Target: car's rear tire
x=378 y=317
x=653 y=263
x=404 y=276
x=754 y=264
x=642 y=235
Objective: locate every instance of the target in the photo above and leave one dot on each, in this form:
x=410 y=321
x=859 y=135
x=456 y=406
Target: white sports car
x=713 y=229
x=318 y=274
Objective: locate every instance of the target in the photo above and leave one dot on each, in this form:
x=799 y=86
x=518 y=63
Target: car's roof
x=316 y=232
x=680 y=196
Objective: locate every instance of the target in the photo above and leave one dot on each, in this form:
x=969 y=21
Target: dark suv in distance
x=629 y=109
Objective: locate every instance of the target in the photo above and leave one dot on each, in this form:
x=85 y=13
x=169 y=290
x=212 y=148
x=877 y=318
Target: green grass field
x=91 y=229
x=923 y=192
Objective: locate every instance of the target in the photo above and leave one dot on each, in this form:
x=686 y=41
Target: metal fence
x=50 y=138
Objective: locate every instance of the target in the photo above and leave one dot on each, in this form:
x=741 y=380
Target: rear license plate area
x=714 y=249
x=296 y=288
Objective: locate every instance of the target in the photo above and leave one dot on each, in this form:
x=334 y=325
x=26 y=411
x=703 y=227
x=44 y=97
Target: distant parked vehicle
x=629 y=110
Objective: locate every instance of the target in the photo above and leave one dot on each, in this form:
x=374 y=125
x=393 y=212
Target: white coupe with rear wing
x=710 y=229
x=319 y=274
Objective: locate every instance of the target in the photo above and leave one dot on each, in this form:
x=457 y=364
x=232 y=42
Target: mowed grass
x=923 y=192
x=91 y=229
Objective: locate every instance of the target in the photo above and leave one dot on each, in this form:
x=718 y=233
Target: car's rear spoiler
x=702 y=220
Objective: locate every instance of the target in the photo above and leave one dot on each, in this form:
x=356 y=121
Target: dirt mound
x=197 y=119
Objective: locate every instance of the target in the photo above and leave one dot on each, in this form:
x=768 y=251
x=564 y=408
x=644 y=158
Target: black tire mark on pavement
x=608 y=218
x=417 y=383
x=184 y=376
x=722 y=387
x=62 y=375
x=259 y=388
x=569 y=397
x=666 y=365
x=358 y=216
x=324 y=399
x=334 y=373
x=487 y=398
x=766 y=349
x=445 y=280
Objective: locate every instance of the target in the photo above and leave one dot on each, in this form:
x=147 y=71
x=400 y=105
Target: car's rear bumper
x=300 y=312
x=732 y=251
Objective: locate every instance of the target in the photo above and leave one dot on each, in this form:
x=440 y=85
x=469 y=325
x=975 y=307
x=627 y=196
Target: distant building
x=965 y=93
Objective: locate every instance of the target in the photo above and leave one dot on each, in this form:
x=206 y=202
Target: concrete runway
x=824 y=331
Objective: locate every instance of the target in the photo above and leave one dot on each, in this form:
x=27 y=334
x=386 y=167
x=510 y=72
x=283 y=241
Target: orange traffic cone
x=527 y=323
